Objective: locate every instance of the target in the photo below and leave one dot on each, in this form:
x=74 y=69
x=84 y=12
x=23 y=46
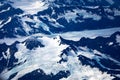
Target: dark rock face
x=101 y=44
x=42 y=76
x=32 y=43
x=87 y=2
x=61 y=16
x=103 y=15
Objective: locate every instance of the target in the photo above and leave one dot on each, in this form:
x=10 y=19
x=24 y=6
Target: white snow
x=38 y=24
x=91 y=7
x=71 y=16
x=92 y=55
x=108 y=10
x=118 y=75
x=86 y=54
x=111 y=43
x=116 y=12
x=10 y=41
x=52 y=21
x=6 y=55
x=110 y=17
x=30 y=6
x=77 y=35
x=110 y=1
x=88 y=73
x=80 y=72
x=118 y=39
x=1 y=22
x=1 y=25
x=5 y=10
x=1 y=4
x=86 y=15
x=46 y=58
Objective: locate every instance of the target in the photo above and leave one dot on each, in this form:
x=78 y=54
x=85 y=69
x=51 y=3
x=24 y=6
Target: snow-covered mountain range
x=30 y=17
x=59 y=39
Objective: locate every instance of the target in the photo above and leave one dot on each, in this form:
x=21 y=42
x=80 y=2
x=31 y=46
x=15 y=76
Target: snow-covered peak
x=47 y=59
x=44 y=58
x=34 y=6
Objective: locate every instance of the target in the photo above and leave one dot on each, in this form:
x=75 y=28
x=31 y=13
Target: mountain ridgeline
x=60 y=16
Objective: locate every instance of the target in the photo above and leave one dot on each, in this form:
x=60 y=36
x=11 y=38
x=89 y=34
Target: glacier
x=59 y=40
